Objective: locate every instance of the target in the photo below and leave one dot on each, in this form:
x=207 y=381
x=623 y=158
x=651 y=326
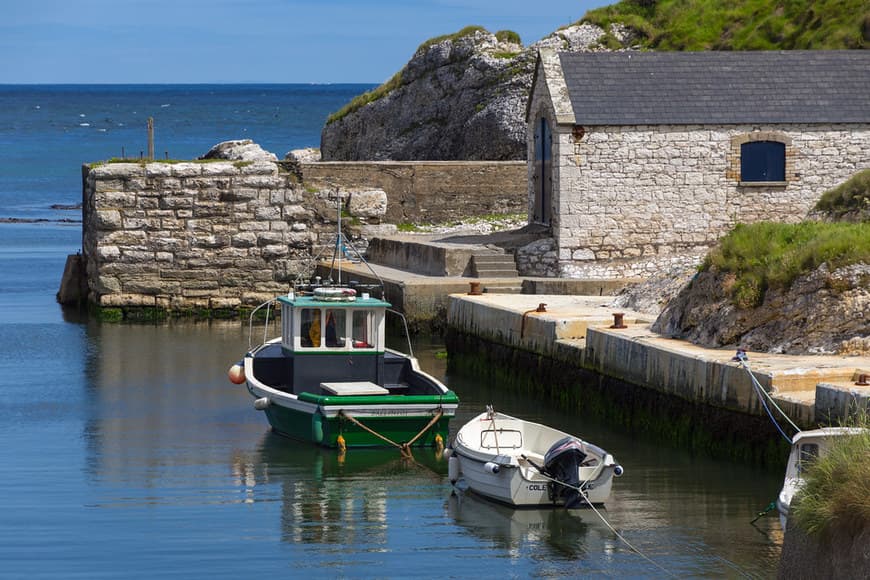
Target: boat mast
x=338 y=237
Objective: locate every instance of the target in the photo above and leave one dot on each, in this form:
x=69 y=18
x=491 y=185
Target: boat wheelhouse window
x=310 y=330
x=364 y=332
x=336 y=327
x=809 y=453
x=762 y=161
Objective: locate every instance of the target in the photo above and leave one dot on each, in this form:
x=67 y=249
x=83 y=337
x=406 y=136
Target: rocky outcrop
x=239 y=150
x=463 y=97
x=822 y=312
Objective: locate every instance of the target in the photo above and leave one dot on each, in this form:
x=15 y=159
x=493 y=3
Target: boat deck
x=300 y=373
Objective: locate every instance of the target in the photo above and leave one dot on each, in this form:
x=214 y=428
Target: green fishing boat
x=329 y=378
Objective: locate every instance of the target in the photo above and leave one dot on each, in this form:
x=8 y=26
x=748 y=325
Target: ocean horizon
x=49 y=131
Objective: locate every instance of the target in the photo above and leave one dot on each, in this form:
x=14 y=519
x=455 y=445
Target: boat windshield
x=338 y=328
x=809 y=452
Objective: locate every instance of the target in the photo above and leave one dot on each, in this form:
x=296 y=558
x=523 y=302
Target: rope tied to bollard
x=404 y=448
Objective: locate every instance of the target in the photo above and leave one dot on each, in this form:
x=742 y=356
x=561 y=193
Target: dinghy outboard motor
x=562 y=462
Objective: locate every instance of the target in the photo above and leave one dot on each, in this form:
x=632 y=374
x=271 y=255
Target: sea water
x=126 y=452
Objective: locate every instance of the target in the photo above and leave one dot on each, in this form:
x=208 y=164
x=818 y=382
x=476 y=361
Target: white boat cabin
x=333 y=322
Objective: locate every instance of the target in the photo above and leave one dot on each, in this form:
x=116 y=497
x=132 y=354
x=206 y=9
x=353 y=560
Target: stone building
x=639 y=161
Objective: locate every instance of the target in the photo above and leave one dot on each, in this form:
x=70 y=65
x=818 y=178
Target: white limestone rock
x=239 y=150
x=368 y=204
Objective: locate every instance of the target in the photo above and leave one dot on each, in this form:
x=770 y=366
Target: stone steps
x=493 y=265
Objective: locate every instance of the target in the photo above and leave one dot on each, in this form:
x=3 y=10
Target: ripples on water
x=126 y=452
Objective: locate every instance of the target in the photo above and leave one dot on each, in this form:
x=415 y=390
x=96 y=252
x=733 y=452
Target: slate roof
x=654 y=88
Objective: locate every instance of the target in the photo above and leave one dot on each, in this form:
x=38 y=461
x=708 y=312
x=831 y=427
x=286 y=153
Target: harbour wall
x=430 y=191
x=217 y=236
x=573 y=352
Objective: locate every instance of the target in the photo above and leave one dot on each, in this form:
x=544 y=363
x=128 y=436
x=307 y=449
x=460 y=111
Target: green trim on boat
x=311 y=302
x=330 y=400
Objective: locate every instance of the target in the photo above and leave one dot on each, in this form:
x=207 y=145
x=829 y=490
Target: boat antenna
x=338 y=237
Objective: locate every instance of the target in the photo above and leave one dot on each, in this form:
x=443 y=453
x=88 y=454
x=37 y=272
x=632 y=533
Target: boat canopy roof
x=314 y=302
x=824 y=433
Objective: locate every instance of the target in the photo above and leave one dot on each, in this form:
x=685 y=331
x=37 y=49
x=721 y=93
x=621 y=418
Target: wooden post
x=150 y=138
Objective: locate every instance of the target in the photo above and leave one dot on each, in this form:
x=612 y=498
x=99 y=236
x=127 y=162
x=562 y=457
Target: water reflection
x=332 y=498
x=164 y=429
x=566 y=532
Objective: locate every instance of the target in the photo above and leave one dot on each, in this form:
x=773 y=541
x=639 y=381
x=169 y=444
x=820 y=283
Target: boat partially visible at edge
x=806 y=448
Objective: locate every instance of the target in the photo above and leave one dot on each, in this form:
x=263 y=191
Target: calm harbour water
x=126 y=453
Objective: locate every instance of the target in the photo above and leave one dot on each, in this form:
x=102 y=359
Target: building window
x=762 y=161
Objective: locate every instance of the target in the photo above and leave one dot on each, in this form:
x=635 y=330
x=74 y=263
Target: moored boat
x=521 y=463
x=329 y=378
x=806 y=448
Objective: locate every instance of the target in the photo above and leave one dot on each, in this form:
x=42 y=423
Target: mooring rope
x=741 y=358
x=582 y=493
x=404 y=448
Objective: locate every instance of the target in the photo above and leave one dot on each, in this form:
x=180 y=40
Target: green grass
x=771 y=255
x=467 y=31
x=508 y=36
x=837 y=489
x=364 y=99
x=853 y=195
x=408 y=228
x=740 y=24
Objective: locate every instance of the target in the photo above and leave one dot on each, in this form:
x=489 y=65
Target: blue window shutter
x=762 y=161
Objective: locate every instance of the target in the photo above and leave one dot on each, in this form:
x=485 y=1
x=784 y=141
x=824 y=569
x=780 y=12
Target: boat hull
x=501 y=457
x=317 y=427
x=524 y=487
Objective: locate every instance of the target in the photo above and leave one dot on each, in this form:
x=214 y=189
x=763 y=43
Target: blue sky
x=283 y=41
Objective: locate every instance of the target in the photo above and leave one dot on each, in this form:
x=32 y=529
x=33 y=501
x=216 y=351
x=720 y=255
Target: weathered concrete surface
x=576 y=286
x=73 y=283
x=422 y=299
x=422 y=255
x=576 y=331
x=512 y=320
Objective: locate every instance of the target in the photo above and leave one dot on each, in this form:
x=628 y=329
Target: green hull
x=325 y=431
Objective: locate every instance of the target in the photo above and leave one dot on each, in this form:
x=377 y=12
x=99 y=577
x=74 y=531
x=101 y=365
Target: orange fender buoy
x=237 y=374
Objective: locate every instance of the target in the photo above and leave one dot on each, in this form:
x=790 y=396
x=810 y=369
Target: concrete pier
x=424 y=299
x=579 y=331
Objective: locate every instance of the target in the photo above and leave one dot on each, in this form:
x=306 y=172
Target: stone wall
x=430 y=191
x=208 y=235
x=633 y=200
x=224 y=234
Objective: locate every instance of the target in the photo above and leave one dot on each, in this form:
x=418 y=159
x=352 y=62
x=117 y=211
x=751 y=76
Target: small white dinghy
x=521 y=463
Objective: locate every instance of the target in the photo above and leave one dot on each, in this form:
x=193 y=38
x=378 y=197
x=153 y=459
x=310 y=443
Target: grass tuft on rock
x=772 y=255
x=852 y=196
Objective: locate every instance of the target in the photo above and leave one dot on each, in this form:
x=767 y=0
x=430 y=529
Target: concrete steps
x=503 y=287
x=493 y=265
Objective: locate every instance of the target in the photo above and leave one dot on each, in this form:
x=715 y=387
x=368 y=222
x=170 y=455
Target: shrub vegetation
x=771 y=255
x=740 y=24
x=848 y=197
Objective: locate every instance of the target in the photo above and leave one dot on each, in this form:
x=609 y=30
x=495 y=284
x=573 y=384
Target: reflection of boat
x=511 y=528
x=806 y=447
x=522 y=463
x=332 y=498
